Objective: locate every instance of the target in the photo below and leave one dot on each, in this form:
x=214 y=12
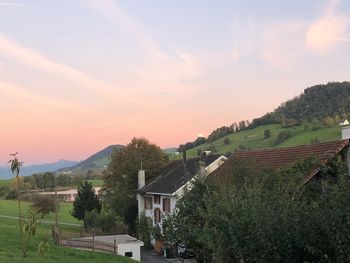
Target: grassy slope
x=9 y=207
x=10 y=248
x=96 y=182
x=254 y=138
x=5 y=182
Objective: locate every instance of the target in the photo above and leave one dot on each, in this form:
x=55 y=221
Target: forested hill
x=318 y=106
x=329 y=102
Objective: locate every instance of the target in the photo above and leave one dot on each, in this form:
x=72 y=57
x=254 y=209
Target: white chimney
x=141 y=179
x=345 y=130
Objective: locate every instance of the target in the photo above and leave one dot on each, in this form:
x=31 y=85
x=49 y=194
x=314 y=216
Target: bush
x=4 y=190
x=242 y=147
x=43 y=204
x=267 y=133
x=226 y=141
x=12 y=194
x=283 y=136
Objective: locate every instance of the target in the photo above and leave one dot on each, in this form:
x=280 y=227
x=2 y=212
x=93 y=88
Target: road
x=42 y=221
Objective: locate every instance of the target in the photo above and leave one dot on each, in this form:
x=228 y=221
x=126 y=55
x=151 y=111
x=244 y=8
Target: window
x=166 y=205
x=148 y=202
x=157 y=199
x=128 y=254
x=157 y=215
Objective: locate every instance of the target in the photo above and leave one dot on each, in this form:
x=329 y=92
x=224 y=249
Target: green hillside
x=254 y=138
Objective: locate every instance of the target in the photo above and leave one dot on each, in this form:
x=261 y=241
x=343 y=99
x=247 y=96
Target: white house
x=158 y=198
x=68 y=195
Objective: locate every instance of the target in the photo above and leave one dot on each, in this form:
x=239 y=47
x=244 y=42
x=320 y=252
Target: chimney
x=141 y=179
x=345 y=130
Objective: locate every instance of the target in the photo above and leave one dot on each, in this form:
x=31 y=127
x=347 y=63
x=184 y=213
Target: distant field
x=96 y=183
x=254 y=138
x=10 y=248
x=9 y=208
x=5 y=182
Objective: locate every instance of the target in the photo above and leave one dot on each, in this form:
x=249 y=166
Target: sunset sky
x=79 y=75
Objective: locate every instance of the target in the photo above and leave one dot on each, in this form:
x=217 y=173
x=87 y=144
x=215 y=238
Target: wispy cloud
x=13 y=4
x=163 y=72
x=17 y=92
x=37 y=60
x=327 y=31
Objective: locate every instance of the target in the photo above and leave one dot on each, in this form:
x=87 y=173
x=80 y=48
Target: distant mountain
x=99 y=161
x=96 y=162
x=37 y=168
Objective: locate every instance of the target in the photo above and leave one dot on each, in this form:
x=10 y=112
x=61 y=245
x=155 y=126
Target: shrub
x=44 y=204
x=12 y=194
x=283 y=136
x=267 y=133
x=226 y=141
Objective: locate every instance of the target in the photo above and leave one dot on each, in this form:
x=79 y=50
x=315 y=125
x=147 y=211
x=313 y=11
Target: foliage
x=283 y=136
x=189 y=145
x=85 y=201
x=327 y=103
x=27 y=226
x=226 y=141
x=144 y=230
x=44 y=204
x=121 y=176
x=267 y=217
x=9 y=242
x=267 y=133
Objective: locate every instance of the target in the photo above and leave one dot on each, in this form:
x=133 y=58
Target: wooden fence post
x=81 y=230
x=93 y=243
x=115 y=246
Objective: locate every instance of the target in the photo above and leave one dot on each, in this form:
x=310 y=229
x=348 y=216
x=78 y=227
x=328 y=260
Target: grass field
x=96 y=182
x=10 y=208
x=10 y=248
x=5 y=182
x=254 y=138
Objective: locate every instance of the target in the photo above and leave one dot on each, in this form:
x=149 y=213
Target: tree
x=27 y=226
x=267 y=216
x=226 y=141
x=43 y=204
x=85 y=201
x=121 y=176
x=267 y=133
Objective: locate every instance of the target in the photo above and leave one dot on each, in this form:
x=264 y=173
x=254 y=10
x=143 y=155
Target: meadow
x=10 y=248
x=10 y=208
x=254 y=138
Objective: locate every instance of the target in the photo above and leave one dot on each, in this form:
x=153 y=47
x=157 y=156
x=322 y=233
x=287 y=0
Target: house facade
x=158 y=198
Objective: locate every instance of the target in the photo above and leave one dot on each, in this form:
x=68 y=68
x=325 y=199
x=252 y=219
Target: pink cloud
x=328 y=31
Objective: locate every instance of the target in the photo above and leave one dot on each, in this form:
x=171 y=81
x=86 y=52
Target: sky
x=79 y=75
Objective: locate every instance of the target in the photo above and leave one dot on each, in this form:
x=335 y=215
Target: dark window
x=157 y=215
x=128 y=254
x=166 y=205
x=157 y=199
x=148 y=202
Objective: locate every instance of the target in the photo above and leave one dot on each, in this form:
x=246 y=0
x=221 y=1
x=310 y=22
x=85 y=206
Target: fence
x=83 y=242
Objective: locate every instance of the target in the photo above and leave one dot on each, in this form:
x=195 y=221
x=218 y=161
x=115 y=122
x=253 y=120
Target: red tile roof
x=277 y=158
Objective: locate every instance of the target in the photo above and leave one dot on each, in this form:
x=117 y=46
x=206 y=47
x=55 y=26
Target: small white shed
x=125 y=245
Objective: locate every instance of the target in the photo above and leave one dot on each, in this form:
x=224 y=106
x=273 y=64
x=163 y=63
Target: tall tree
x=121 y=175
x=85 y=201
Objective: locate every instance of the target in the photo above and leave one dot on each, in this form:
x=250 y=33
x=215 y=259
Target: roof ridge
x=344 y=142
